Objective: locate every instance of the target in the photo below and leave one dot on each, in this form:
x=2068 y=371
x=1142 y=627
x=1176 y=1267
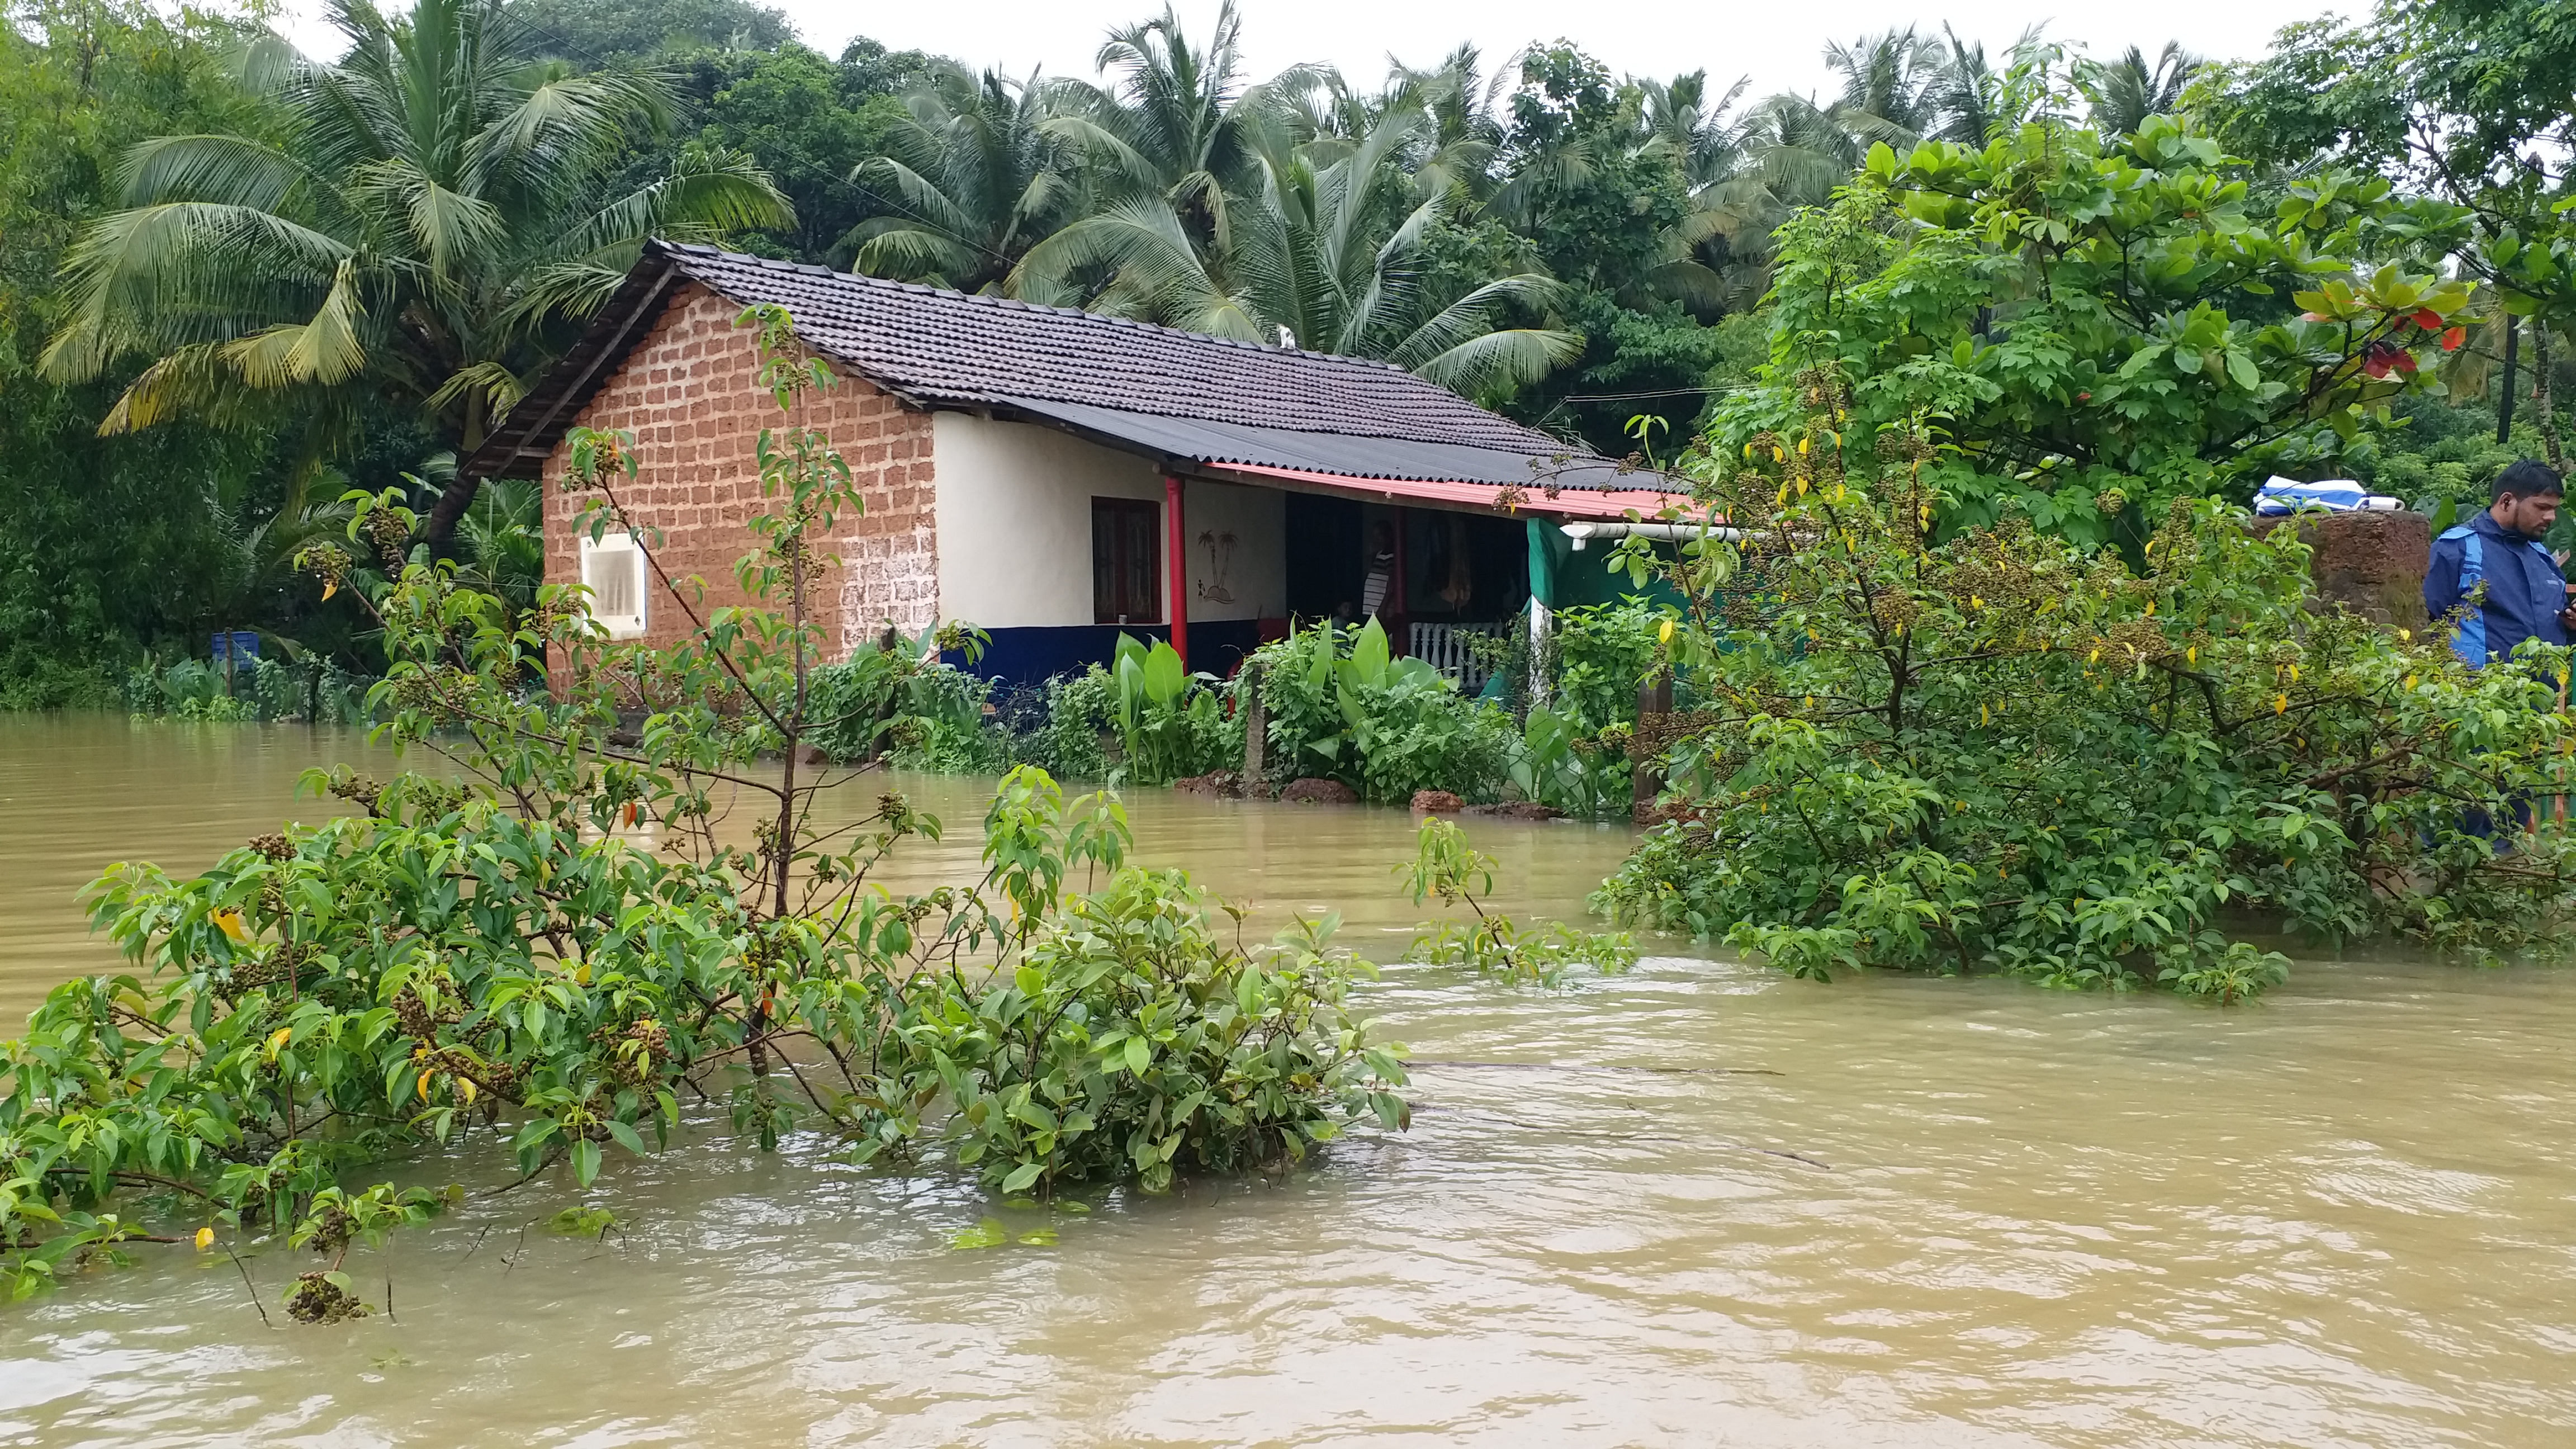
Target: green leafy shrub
x=1341 y=708
x=1172 y=724
x=1585 y=776
x=1132 y=1040
x=943 y=727
x=317 y=690
x=1078 y=708
x=1603 y=652
x=909 y=704
x=336 y=1220
x=187 y=687
x=2089 y=315
x=2003 y=751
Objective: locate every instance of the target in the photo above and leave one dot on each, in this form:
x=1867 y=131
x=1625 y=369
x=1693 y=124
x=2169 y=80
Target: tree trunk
x=440 y=528
x=2504 y=396
x=2540 y=411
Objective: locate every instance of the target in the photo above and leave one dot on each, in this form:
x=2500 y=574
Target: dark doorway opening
x=1325 y=563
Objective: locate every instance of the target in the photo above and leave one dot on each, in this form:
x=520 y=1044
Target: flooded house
x=1054 y=477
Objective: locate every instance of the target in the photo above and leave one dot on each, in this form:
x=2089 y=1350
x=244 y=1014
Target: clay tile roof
x=936 y=348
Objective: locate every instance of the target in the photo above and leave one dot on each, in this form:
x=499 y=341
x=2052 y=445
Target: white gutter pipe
x=1667 y=532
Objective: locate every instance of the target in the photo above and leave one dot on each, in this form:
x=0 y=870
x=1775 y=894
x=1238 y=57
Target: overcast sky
x=1774 y=43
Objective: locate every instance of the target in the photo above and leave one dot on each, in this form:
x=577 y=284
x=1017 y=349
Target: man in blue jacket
x=2496 y=566
x=2503 y=582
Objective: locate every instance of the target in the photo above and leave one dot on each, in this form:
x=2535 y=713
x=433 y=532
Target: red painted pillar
x=1179 y=566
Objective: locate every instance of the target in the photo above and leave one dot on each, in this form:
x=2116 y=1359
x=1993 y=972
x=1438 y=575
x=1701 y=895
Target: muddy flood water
x=1922 y=1213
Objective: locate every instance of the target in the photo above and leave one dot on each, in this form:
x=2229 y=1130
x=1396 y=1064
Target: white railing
x=1446 y=648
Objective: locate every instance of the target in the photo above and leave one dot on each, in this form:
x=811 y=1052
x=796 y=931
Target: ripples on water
x=2338 y=1218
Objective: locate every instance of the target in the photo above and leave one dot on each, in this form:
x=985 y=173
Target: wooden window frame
x=1122 y=529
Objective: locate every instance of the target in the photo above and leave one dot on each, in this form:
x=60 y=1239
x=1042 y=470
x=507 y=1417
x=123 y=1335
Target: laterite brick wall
x=689 y=394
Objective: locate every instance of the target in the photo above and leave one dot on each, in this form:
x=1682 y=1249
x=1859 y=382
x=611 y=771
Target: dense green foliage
x=2470 y=102
x=904 y=704
x=2089 y=314
x=1172 y=724
x=104 y=542
x=1342 y=709
x=600 y=32
x=1996 y=750
x=260 y=689
x=431 y=212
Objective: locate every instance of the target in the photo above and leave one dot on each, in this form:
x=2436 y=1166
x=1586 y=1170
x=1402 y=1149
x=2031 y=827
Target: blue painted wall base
x=1033 y=655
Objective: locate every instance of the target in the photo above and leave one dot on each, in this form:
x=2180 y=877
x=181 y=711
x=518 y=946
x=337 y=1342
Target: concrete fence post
x=1645 y=777
x=1256 y=732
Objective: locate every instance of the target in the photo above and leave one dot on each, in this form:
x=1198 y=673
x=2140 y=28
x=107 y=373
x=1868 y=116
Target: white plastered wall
x=1014 y=522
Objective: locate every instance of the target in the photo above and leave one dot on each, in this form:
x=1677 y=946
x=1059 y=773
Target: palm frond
x=188 y=379
x=499 y=389
x=1470 y=316
x=1500 y=362
x=909 y=252
x=225 y=170
x=145 y=274
x=332 y=348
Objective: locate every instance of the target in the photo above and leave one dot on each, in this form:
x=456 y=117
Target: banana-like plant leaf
x=1369 y=654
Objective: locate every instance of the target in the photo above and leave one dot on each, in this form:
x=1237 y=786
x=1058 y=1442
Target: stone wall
x=688 y=393
x=2373 y=562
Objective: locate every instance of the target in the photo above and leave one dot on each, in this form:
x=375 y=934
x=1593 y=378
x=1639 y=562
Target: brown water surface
x=2014 y=1217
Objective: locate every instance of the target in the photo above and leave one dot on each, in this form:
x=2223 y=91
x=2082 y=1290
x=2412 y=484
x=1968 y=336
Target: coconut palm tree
x=1462 y=106
x=1172 y=121
x=439 y=207
x=1790 y=153
x=1682 y=119
x=1314 y=254
x=1889 y=83
x=981 y=173
x=2126 y=91
x=1700 y=265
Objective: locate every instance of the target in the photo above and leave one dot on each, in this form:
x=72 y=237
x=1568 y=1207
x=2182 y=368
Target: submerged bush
x=444 y=969
x=1068 y=744
x=1172 y=724
x=1341 y=708
x=2003 y=751
x=1445 y=866
x=307 y=689
x=1602 y=653
x=1131 y=1041
x=898 y=698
